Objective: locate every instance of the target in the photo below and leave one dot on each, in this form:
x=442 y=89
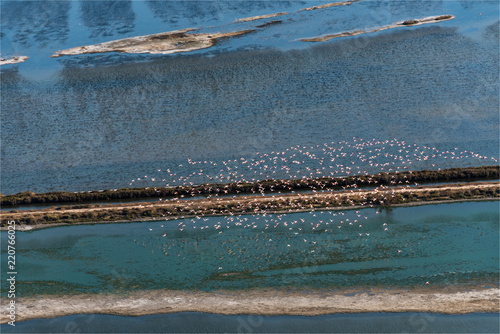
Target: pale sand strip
x=263 y=302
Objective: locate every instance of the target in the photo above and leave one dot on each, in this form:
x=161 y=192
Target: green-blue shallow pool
x=443 y=244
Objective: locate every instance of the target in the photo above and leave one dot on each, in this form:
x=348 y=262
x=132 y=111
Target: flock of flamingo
x=356 y=157
x=337 y=159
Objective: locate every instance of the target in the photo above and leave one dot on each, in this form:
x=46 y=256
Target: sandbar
x=162 y=43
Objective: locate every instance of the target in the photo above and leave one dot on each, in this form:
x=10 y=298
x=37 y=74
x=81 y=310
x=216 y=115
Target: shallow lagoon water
x=446 y=244
x=191 y=322
x=99 y=121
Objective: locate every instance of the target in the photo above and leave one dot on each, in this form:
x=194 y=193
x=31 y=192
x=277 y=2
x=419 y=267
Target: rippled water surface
x=99 y=121
x=189 y=322
x=440 y=245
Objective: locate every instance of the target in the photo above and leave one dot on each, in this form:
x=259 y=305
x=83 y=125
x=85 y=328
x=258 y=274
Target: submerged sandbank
x=407 y=23
x=263 y=302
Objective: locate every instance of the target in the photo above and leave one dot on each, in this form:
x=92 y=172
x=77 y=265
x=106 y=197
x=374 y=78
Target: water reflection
x=398 y=8
x=238 y=103
x=492 y=31
x=107 y=18
x=37 y=23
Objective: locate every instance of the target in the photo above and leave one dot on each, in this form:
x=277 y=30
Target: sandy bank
x=13 y=60
x=264 y=302
x=408 y=23
x=162 y=43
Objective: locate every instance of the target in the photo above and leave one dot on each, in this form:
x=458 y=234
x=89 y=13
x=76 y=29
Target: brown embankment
x=383 y=196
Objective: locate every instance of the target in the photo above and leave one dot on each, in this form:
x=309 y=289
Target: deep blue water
x=190 y=322
x=101 y=121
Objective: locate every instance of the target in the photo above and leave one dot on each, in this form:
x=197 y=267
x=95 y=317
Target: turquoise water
x=443 y=244
x=101 y=121
x=190 y=322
